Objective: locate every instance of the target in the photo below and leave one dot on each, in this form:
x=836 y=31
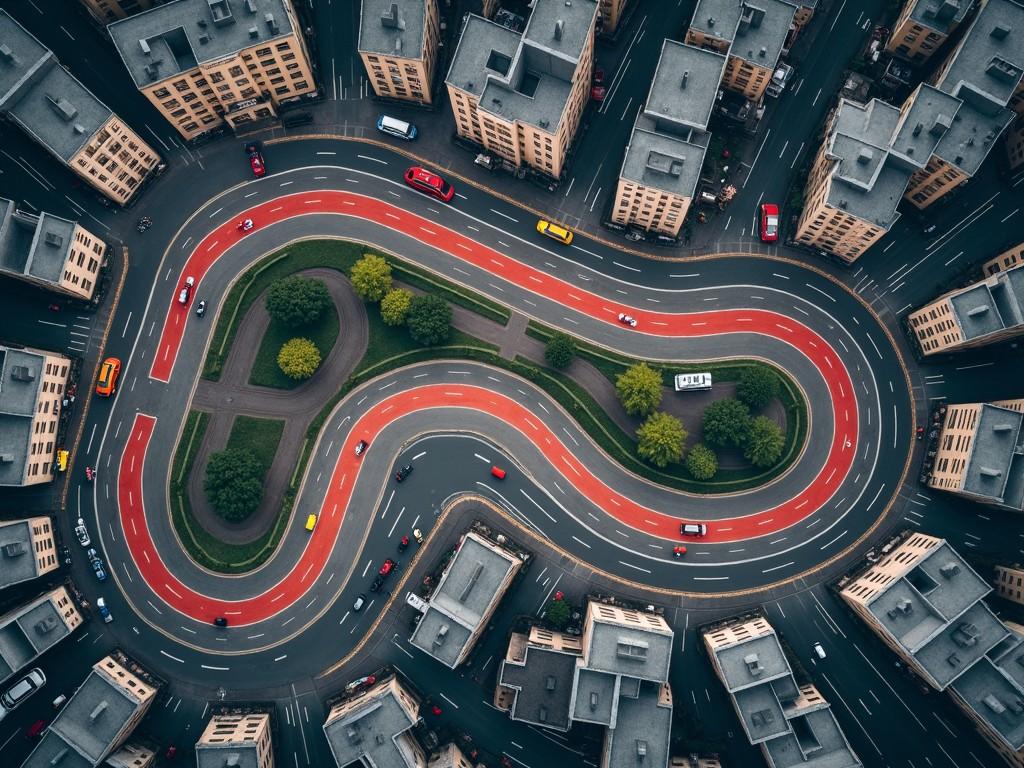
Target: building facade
x=62 y=115
x=32 y=384
x=1008 y=259
x=106 y=11
x=611 y=14
x=133 y=755
x=208 y=63
x=1015 y=144
x=236 y=739
x=521 y=97
x=30 y=630
x=27 y=550
x=924 y=25
x=1009 y=583
x=398 y=44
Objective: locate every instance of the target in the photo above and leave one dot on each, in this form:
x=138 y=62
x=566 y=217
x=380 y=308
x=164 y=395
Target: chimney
x=559 y=26
x=686 y=76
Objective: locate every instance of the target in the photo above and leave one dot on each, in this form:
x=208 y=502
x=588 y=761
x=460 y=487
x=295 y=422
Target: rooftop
x=752 y=663
x=641 y=737
x=640 y=650
x=543 y=684
x=940 y=15
x=594 y=697
x=174 y=38
x=995 y=453
x=817 y=741
x=663 y=162
x=756 y=29
x=992 y=691
x=684 y=87
x=20 y=378
x=27 y=632
x=392 y=27
x=233 y=754
x=373 y=731
x=17 y=556
x=33 y=245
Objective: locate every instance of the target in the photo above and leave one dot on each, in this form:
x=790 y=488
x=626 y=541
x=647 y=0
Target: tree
x=764 y=443
x=726 y=422
x=234 y=483
x=429 y=320
x=661 y=438
x=639 y=389
x=701 y=462
x=394 y=307
x=560 y=350
x=371 y=277
x=758 y=386
x=558 y=613
x=298 y=359
x=296 y=301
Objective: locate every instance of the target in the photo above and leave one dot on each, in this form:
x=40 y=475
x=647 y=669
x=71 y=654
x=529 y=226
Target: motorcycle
x=245 y=225
x=90 y=474
x=403 y=543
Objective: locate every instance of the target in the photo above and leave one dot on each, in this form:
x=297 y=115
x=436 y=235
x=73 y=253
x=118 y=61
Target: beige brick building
x=207 y=63
x=133 y=755
x=106 y=11
x=924 y=25
x=242 y=739
x=398 y=46
x=30 y=630
x=611 y=14
x=1008 y=259
x=663 y=160
x=752 y=34
x=521 y=97
x=32 y=383
x=27 y=550
x=925 y=602
x=59 y=113
x=1009 y=583
x=804 y=13
x=49 y=251
x=449 y=756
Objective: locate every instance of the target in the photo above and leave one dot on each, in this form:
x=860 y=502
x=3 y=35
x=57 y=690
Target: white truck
x=692 y=382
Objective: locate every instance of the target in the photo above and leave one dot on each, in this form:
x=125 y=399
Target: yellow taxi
x=311 y=522
x=554 y=231
x=107 y=382
x=62 y=460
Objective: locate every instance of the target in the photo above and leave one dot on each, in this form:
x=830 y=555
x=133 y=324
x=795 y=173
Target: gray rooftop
x=940 y=15
x=17 y=557
x=42 y=97
x=32 y=245
x=52 y=751
x=485 y=50
x=663 y=162
x=924 y=124
x=752 y=663
x=641 y=722
x=994 y=690
x=684 y=87
x=373 y=732
x=543 y=684
x=994 y=453
x=27 y=632
x=440 y=636
x=817 y=741
x=961 y=643
x=756 y=29
x=992 y=305
x=760 y=711
x=392 y=27
x=20 y=379
x=173 y=38
x=594 y=696
x=234 y=754
x=630 y=651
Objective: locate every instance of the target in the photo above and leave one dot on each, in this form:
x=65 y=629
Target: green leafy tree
x=371 y=277
x=298 y=359
x=660 y=439
x=639 y=389
x=429 y=320
x=726 y=422
x=560 y=350
x=764 y=443
x=296 y=301
x=758 y=386
x=701 y=462
x=558 y=613
x=234 y=483
x=394 y=307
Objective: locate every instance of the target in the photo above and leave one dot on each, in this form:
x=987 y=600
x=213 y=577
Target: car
x=498 y=472
x=62 y=459
x=403 y=473
x=769 y=222
x=554 y=231
x=693 y=529
x=201 y=308
x=101 y=606
x=395 y=127
x=598 y=92
x=106 y=384
x=403 y=544
x=627 y=319
x=819 y=651
x=359 y=603
x=429 y=183
x=35 y=730
x=387 y=567
x=186 y=290
x=259 y=168
x=220 y=621
x=598 y=75
x=82 y=533
x=311 y=522
x=378 y=582
x=21 y=690
x=92 y=554
x=361 y=446
x=367 y=681
x=97 y=567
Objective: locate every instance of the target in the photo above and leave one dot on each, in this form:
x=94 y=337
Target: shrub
x=234 y=483
x=429 y=320
x=701 y=462
x=726 y=422
x=639 y=389
x=371 y=277
x=764 y=443
x=558 y=613
x=757 y=387
x=394 y=307
x=296 y=301
x=560 y=350
x=298 y=358
x=660 y=439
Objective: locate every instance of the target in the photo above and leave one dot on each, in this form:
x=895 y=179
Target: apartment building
x=665 y=154
x=521 y=97
x=59 y=113
x=30 y=630
x=236 y=740
x=924 y=25
x=106 y=11
x=980 y=453
x=398 y=44
x=374 y=727
x=791 y=722
x=804 y=13
x=27 y=550
x=925 y=602
x=752 y=34
x=468 y=592
x=612 y=12
x=1009 y=583
x=31 y=385
x=1006 y=260
x=208 y=63
x=449 y=756
x=136 y=755
x=98 y=718
x=46 y=250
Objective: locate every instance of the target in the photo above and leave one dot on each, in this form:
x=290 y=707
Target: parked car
x=397 y=128
x=554 y=231
x=106 y=384
x=186 y=290
x=429 y=183
x=101 y=606
x=82 y=533
x=403 y=473
x=97 y=567
x=819 y=651
x=16 y=694
x=378 y=582
x=259 y=168
x=769 y=223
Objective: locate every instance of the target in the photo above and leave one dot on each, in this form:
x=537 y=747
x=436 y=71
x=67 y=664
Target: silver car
x=21 y=690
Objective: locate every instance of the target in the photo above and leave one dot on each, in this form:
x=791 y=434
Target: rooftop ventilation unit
x=559 y=28
x=6 y=458
x=940 y=125
x=1000 y=31
x=353 y=735
x=1003 y=428
x=45 y=626
x=220 y=10
x=686 y=76
x=144 y=45
x=949 y=570
x=250 y=6
x=389 y=19
x=254 y=32
x=753 y=664
x=593 y=700
x=966 y=635
x=6 y=54
x=98 y=711
x=272 y=24
x=977 y=311
x=549 y=683
x=473 y=579
x=54 y=239
x=865 y=156
x=989 y=472
x=22 y=373
x=641 y=749
x=14 y=549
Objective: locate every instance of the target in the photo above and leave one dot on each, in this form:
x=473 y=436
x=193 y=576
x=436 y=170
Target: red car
x=597 y=89
x=429 y=183
x=388 y=567
x=259 y=168
x=769 y=223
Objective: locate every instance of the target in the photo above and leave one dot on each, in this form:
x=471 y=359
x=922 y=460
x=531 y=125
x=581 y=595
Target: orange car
x=109 y=371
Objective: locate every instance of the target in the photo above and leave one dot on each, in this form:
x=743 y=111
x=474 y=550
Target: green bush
x=764 y=442
x=660 y=439
x=560 y=350
x=701 y=462
x=234 y=483
x=394 y=307
x=757 y=387
x=299 y=359
x=558 y=613
x=296 y=301
x=726 y=422
x=429 y=320
x=371 y=277
x=639 y=389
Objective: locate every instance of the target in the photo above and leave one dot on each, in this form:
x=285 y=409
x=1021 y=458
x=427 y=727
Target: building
x=612 y=12
x=1009 y=583
x=925 y=602
x=26 y=550
x=449 y=756
x=134 y=755
x=804 y=12
x=48 y=251
x=31 y=385
x=398 y=45
x=374 y=727
x=665 y=154
x=237 y=740
x=207 y=63
x=1008 y=259
x=752 y=34
x=980 y=453
x=1015 y=144
x=59 y=113
x=924 y=25
x=97 y=719
x=106 y=11
x=521 y=97
x=465 y=598
x=29 y=631
x=695 y=761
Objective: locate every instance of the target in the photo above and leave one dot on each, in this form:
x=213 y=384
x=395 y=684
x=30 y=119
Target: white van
x=692 y=382
x=395 y=127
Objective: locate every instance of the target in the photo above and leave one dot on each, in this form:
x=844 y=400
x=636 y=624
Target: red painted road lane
x=314 y=558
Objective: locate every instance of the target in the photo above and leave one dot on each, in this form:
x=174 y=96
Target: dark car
x=378 y=582
x=220 y=621
x=403 y=473
x=361 y=446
